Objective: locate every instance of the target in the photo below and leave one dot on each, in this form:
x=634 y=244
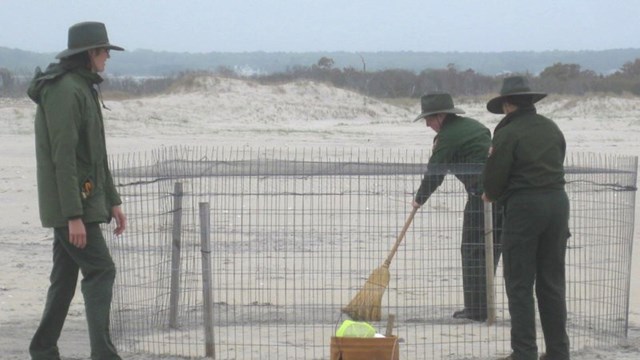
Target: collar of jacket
x=91 y=77
x=447 y=120
x=509 y=117
x=56 y=70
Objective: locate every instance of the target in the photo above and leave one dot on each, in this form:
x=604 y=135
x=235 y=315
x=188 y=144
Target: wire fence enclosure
x=252 y=253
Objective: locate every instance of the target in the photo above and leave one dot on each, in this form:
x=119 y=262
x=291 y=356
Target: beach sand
x=238 y=114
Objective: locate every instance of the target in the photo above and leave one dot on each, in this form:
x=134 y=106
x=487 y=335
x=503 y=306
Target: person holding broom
x=525 y=172
x=460 y=147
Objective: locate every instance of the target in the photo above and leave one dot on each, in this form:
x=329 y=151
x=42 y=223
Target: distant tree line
x=558 y=78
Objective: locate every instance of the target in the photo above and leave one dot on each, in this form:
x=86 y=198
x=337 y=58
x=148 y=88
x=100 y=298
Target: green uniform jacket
x=461 y=147
x=527 y=153
x=70 y=148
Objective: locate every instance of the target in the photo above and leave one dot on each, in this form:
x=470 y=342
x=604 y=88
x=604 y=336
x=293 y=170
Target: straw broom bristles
x=367 y=304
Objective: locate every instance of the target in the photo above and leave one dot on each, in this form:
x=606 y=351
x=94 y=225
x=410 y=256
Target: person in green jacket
x=525 y=173
x=460 y=147
x=75 y=189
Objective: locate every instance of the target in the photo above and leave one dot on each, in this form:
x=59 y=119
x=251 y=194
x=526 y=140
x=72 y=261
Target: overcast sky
x=329 y=25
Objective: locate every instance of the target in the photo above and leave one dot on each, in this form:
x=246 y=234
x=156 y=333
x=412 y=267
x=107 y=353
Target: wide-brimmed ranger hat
x=437 y=103
x=85 y=36
x=513 y=86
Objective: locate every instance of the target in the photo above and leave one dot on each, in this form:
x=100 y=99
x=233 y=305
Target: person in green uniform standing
x=525 y=173
x=75 y=189
x=460 y=147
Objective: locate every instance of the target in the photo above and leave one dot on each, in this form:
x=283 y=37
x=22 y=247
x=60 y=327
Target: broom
x=365 y=306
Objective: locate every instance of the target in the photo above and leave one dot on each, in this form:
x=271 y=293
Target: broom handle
x=400 y=237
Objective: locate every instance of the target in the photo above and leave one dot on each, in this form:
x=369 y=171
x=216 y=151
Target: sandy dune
x=234 y=113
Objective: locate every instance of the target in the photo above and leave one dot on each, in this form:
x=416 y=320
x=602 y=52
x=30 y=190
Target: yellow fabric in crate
x=350 y=328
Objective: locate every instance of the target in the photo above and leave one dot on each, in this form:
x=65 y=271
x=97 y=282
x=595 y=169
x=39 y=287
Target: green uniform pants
x=98 y=271
x=474 y=280
x=536 y=229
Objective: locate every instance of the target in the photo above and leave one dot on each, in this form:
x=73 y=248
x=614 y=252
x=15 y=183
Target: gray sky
x=329 y=25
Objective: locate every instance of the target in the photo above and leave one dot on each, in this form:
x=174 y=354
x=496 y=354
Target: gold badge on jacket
x=87 y=188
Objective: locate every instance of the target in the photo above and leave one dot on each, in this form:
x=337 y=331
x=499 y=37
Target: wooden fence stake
x=176 y=238
x=207 y=286
x=489 y=266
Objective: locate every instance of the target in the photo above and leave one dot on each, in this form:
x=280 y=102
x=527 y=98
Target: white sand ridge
x=219 y=111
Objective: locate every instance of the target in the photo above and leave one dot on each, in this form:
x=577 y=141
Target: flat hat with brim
x=513 y=86
x=85 y=36
x=437 y=103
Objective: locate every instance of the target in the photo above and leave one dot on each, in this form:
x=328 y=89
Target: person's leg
x=473 y=260
x=550 y=283
x=98 y=271
x=520 y=241
x=64 y=277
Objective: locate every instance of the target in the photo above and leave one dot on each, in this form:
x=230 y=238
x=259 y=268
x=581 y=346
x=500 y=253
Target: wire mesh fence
x=252 y=253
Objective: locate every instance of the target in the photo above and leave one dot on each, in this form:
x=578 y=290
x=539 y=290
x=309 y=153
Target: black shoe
x=466 y=314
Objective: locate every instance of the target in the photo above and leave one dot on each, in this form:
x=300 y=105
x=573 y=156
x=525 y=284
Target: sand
x=234 y=113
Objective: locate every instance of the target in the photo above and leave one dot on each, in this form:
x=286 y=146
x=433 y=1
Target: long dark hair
x=76 y=60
